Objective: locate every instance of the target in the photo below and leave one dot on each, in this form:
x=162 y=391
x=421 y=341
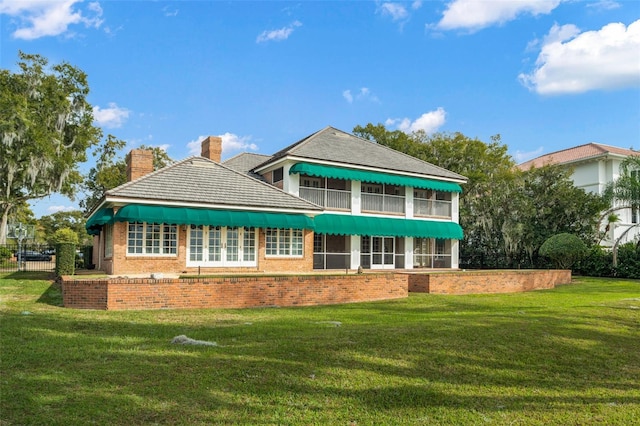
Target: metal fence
x=31 y=257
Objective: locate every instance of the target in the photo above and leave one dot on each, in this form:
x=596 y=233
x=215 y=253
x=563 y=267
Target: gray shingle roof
x=331 y=144
x=200 y=180
x=245 y=162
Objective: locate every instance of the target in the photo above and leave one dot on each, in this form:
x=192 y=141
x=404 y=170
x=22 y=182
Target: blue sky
x=545 y=75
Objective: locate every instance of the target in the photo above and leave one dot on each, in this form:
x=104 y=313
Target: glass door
x=382 y=253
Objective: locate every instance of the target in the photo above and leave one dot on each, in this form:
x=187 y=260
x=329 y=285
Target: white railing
x=383 y=203
x=329 y=198
x=440 y=208
x=432 y=261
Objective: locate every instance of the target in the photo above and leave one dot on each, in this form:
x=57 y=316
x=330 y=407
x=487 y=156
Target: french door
x=220 y=246
x=382 y=252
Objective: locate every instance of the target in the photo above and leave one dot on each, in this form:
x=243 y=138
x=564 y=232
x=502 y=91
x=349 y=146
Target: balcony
x=328 y=198
x=438 y=208
x=383 y=203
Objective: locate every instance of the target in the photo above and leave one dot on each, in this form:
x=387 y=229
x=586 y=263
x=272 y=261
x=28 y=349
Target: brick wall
x=236 y=292
x=494 y=281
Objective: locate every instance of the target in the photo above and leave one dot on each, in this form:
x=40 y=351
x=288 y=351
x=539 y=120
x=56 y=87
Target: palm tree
x=624 y=193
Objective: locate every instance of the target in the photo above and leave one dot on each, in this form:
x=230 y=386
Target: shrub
x=563 y=250
x=65 y=259
x=65 y=235
x=5 y=253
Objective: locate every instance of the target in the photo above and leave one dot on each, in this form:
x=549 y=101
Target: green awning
x=193 y=216
x=375 y=177
x=97 y=219
x=386 y=227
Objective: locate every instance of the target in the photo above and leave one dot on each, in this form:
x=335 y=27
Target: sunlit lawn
x=564 y=356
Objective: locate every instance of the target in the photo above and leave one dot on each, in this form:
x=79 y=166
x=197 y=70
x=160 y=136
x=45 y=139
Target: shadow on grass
x=383 y=363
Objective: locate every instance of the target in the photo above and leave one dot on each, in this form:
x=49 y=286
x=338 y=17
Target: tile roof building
x=593 y=167
x=329 y=201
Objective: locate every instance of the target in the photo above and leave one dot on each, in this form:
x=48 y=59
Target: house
x=329 y=201
x=593 y=167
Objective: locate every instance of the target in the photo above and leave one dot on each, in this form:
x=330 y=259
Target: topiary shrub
x=65 y=259
x=563 y=250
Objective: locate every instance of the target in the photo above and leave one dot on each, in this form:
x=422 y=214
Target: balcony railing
x=438 y=208
x=329 y=198
x=383 y=203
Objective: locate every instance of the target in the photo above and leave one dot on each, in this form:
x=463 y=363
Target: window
x=284 y=242
x=277 y=175
x=152 y=238
x=108 y=240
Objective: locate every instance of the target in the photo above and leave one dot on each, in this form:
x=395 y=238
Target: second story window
x=277 y=175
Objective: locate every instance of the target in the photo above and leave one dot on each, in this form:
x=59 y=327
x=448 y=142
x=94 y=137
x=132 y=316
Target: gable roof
x=577 y=153
x=336 y=146
x=245 y=162
x=198 y=180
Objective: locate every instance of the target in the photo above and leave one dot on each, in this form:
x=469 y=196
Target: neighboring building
x=594 y=166
x=329 y=201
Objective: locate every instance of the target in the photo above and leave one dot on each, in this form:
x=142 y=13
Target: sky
x=543 y=74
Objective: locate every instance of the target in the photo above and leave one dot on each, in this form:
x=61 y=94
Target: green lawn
x=564 y=356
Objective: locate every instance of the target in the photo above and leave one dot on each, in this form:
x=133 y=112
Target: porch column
x=356 y=198
x=408 y=252
x=355 y=251
x=455 y=261
x=408 y=206
x=455 y=207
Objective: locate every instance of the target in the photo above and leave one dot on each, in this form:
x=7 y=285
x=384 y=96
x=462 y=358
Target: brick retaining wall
x=292 y=290
x=236 y=292
x=494 y=281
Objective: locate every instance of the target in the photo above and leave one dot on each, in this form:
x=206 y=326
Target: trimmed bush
x=563 y=250
x=65 y=235
x=65 y=259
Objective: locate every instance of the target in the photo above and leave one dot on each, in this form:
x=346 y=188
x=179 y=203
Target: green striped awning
x=321 y=170
x=97 y=219
x=193 y=216
x=336 y=224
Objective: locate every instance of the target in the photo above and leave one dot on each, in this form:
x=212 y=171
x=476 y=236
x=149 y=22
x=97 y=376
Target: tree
x=46 y=127
x=110 y=170
x=564 y=250
x=73 y=220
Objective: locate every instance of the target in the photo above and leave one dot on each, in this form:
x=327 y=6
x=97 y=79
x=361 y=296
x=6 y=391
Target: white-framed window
x=152 y=239
x=108 y=240
x=219 y=246
x=284 y=242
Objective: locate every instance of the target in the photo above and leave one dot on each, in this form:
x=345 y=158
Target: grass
x=564 y=356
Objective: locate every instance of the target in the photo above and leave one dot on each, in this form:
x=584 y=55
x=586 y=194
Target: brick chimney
x=139 y=163
x=212 y=148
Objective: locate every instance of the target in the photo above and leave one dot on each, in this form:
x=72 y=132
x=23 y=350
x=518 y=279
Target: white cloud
x=429 y=122
x=112 y=117
x=574 y=62
x=604 y=5
x=42 y=18
x=396 y=11
x=364 y=94
x=521 y=156
x=230 y=143
x=56 y=209
x=278 y=35
x=474 y=15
